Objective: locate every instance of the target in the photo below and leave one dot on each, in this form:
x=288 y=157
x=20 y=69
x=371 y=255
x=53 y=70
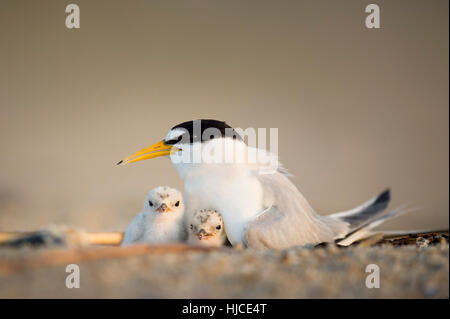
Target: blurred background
x=358 y=109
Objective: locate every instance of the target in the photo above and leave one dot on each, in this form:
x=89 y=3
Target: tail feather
x=366 y=229
x=389 y=215
x=366 y=212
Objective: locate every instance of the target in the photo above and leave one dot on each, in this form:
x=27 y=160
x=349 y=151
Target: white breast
x=232 y=191
x=163 y=231
x=230 y=188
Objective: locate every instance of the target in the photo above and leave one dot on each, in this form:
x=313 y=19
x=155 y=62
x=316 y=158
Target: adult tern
x=261 y=209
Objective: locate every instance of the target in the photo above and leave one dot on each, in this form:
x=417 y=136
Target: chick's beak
x=163 y=208
x=202 y=234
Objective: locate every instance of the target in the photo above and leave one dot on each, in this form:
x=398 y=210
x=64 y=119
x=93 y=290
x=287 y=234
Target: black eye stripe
x=173 y=141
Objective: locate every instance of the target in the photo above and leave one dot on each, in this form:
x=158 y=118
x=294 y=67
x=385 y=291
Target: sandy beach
x=406 y=271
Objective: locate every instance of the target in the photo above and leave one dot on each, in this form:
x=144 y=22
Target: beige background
x=357 y=110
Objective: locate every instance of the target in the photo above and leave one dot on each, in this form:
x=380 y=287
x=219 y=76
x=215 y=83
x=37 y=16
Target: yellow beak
x=155 y=150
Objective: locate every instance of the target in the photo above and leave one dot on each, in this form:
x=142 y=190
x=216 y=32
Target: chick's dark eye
x=177 y=204
x=150 y=203
x=218 y=227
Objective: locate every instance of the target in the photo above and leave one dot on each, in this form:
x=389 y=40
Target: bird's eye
x=150 y=203
x=212 y=137
x=173 y=141
x=218 y=227
x=177 y=204
x=191 y=226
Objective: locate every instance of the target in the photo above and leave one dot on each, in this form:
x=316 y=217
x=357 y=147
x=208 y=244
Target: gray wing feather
x=289 y=220
x=369 y=211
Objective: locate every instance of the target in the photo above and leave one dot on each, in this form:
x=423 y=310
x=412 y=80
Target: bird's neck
x=163 y=217
x=218 y=157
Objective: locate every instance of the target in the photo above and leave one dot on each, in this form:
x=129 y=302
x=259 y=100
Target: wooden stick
x=100 y=238
x=106 y=238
